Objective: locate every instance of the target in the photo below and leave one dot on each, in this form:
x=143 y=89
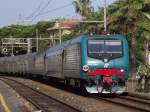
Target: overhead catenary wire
x=36 y=10
x=52 y=10
x=65 y=6
x=42 y=9
x=45 y=6
x=55 y=9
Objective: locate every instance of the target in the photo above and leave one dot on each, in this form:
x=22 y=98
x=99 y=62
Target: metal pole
x=105 y=18
x=12 y=47
x=2 y=47
x=60 y=33
x=29 y=45
x=37 y=42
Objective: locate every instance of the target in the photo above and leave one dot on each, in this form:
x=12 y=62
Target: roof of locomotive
x=79 y=40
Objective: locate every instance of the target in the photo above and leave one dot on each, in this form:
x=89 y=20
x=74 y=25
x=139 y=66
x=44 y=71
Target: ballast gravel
x=85 y=104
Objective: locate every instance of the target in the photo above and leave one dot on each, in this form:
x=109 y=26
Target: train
x=98 y=63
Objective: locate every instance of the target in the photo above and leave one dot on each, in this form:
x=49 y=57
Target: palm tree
x=83 y=7
x=125 y=17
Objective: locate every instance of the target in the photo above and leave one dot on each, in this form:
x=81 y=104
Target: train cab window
x=103 y=49
x=113 y=46
x=95 y=46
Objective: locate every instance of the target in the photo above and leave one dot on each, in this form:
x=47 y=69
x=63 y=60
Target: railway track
x=46 y=103
x=128 y=101
x=40 y=100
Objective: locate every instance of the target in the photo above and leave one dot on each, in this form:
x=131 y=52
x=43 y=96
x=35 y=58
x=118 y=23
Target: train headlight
x=85 y=68
x=122 y=70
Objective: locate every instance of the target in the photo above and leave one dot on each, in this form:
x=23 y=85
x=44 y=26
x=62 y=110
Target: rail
x=40 y=100
x=128 y=101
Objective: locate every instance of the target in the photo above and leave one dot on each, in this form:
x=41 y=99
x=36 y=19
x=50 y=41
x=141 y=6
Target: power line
x=38 y=8
x=55 y=9
x=46 y=5
x=52 y=10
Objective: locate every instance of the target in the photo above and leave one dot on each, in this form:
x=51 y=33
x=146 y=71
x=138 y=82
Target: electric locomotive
x=105 y=63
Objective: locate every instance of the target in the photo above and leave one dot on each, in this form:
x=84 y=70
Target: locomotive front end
x=106 y=64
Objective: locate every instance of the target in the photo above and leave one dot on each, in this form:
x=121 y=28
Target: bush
x=143 y=75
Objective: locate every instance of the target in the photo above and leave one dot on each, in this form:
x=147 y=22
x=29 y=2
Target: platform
x=10 y=101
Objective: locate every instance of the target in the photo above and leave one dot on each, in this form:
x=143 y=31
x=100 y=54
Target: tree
x=19 y=31
x=83 y=7
x=125 y=17
x=42 y=26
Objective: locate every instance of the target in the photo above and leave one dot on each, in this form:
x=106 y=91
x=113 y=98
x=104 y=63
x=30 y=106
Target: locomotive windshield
x=105 y=49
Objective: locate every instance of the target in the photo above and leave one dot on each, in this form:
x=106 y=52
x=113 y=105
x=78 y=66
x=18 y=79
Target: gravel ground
x=140 y=95
x=86 y=104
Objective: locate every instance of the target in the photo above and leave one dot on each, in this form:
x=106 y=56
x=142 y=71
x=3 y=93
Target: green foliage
x=95 y=15
x=143 y=71
x=139 y=88
x=93 y=27
x=27 y=32
x=143 y=75
x=147 y=15
x=12 y=30
x=140 y=50
x=83 y=7
x=19 y=31
x=43 y=25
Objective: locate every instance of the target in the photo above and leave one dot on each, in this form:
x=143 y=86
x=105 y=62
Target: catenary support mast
x=105 y=17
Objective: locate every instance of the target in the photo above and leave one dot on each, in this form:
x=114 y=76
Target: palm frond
x=147 y=15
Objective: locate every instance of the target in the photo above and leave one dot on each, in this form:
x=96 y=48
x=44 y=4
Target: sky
x=19 y=11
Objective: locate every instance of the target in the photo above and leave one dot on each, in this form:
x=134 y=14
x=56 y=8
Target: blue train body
x=100 y=63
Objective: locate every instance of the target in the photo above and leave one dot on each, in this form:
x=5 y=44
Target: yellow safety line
x=3 y=103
